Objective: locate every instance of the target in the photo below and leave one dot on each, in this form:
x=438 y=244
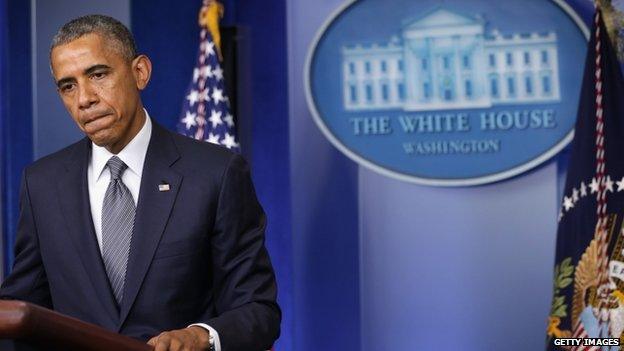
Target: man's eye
x=66 y=88
x=98 y=75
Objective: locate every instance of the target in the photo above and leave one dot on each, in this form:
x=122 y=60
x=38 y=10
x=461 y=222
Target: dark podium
x=37 y=328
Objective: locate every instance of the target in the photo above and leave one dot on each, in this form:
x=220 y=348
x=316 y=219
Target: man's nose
x=87 y=96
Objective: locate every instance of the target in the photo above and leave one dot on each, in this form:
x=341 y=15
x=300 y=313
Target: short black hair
x=106 y=26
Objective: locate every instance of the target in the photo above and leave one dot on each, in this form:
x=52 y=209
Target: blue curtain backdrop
x=3 y=101
x=16 y=115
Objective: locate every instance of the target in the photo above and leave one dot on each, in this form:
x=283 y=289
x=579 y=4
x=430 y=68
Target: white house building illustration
x=445 y=60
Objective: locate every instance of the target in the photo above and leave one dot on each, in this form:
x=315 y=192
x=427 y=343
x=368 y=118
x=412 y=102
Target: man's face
x=100 y=89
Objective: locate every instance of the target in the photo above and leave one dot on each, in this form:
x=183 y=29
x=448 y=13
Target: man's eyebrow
x=87 y=71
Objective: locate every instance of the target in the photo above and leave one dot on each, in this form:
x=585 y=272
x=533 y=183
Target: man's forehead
x=81 y=53
x=84 y=45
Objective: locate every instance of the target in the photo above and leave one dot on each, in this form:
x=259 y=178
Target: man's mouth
x=95 y=117
x=96 y=122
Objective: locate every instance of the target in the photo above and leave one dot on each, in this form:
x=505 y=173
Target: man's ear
x=142 y=70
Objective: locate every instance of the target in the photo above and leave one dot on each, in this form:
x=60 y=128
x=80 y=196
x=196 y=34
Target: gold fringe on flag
x=614 y=21
x=209 y=16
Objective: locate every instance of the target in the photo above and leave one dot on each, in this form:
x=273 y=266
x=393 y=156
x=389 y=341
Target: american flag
x=206 y=108
x=588 y=284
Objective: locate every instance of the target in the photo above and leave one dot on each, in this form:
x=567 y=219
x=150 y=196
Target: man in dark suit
x=134 y=228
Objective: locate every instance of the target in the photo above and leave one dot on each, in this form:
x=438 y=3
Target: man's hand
x=194 y=338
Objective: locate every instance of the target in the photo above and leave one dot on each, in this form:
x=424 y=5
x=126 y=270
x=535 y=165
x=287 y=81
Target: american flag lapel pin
x=164 y=187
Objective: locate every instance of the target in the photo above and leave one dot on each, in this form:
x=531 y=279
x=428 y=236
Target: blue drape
x=3 y=103
x=15 y=114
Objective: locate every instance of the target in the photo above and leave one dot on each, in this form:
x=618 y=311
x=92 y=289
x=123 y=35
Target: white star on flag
x=215 y=118
x=195 y=74
x=192 y=97
x=567 y=203
x=213 y=138
x=206 y=72
x=217 y=95
x=189 y=120
x=575 y=195
x=209 y=48
x=229 y=119
x=620 y=184
x=583 y=189
x=609 y=184
x=218 y=73
x=229 y=141
x=593 y=185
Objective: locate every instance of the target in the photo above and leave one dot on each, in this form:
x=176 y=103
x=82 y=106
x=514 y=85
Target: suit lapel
x=76 y=209
x=152 y=213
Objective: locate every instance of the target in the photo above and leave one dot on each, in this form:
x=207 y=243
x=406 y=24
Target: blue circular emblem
x=448 y=93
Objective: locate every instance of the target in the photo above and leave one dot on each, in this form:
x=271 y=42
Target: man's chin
x=100 y=140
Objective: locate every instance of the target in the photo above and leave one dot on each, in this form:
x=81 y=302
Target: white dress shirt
x=133 y=155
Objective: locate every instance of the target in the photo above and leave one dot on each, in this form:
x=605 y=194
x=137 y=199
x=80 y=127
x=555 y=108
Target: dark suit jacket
x=197 y=251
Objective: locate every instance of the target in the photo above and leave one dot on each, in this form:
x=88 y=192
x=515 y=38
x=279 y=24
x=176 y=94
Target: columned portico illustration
x=445 y=60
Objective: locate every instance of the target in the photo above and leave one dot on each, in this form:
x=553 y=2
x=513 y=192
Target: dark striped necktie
x=118 y=213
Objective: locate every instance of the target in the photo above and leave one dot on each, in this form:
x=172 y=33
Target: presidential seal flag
x=588 y=299
x=206 y=108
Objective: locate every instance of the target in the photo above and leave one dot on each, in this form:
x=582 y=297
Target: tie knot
x=116 y=167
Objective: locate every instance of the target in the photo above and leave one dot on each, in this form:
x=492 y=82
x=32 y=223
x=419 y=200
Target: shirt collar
x=133 y=155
